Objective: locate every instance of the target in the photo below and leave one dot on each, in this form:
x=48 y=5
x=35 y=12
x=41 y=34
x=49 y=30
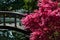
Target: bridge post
x=4 y=19
x=15 y=22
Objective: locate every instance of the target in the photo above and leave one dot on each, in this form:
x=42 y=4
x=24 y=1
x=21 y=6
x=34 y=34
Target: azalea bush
x=44 y=22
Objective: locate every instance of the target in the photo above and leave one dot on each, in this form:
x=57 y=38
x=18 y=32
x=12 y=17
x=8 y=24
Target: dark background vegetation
x=9 y=5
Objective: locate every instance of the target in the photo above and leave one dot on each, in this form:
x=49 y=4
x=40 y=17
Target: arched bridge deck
x=12 y=16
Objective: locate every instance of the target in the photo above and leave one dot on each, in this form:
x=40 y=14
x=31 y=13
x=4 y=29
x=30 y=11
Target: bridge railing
x=15 y=15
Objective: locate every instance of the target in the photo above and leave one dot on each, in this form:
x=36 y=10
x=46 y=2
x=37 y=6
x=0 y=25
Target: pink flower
x=44 y=21
x=45 y=29
x=36 y=35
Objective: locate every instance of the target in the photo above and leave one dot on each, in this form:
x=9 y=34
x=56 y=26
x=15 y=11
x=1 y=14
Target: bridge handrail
x=12 y=28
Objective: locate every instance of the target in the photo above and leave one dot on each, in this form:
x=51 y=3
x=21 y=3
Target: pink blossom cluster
x=44 y=22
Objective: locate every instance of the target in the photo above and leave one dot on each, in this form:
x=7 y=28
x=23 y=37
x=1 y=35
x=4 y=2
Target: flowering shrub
x=44 y=22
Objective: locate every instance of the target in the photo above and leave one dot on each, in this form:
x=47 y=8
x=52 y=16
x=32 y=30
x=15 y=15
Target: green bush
x=8 y=5
x=12 y=35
